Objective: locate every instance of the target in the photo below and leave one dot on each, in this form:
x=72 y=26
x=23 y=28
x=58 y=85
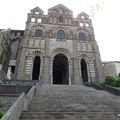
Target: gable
x=60 y=9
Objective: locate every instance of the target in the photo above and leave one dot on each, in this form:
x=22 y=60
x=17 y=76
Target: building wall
x=117 y=65
x=49 y=44
x=16 y=36
x=5 y=52
x=111 y=68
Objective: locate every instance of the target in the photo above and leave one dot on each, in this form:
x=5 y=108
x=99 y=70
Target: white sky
x=106 y=22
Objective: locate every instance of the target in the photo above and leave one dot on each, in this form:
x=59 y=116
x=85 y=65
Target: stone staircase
x=76 y=102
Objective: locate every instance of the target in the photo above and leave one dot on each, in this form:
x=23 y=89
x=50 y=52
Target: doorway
x=84 y=70
x=36 y=68
x=60 y=69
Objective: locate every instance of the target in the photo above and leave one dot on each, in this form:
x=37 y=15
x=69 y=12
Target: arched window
x=61 y=19
x=38 y=33
x=61 y=34
x=82 y=36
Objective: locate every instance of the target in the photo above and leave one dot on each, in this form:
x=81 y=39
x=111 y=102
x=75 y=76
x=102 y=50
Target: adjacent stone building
x=58 y=48
x=111 y=68
x=5 y=52
x=16 y=37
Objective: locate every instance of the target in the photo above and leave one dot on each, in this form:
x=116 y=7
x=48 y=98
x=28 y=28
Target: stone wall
x=7 y=101
x=13 y=89
x=2 y=75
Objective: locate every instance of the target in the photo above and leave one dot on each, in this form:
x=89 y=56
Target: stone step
x=64 y=102
x=72 y=109
x=68 y=115
x=82 y=112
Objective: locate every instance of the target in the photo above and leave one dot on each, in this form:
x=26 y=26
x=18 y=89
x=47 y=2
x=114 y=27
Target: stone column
x=76 y=71
x=46 y=64
x=99 y=70
x=75 y=61
x=46 y=70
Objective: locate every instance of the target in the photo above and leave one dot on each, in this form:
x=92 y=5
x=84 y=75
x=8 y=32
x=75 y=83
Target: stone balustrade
x=21 y=82
x=21 y=104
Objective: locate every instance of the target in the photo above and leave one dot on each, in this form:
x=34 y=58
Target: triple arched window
x=38 y=33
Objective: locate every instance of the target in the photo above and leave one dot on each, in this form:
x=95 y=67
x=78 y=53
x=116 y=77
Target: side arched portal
x=60 y=69
x=84 y=70
x=36 y=68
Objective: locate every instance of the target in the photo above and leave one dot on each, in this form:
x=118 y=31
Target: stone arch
x=65 y=29
x=84 y=56
x=65 y=52
x=60 y=69
x=61 y=50
x=60 y=29
x=83 y=31
x=30 y=56
x=38 y=33
x=37 y=52
x=61 y=34
x=40 y=54
x=38 y=26
x=84 y=67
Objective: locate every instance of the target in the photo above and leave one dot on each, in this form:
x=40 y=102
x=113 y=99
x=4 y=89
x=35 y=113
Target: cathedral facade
x=58 y=48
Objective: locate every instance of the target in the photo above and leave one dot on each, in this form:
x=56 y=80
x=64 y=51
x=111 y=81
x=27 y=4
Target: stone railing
x=112 y=90
x=15 y=110
x=103 y=87
x=21 y=104
x=6 y=89
x=21 y=82
x=29 y=97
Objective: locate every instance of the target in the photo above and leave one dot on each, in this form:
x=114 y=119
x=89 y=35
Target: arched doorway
x=84 y=70
x=36 y=68
x=60 y=69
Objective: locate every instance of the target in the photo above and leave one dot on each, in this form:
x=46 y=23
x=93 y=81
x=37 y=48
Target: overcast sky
x=106 y=19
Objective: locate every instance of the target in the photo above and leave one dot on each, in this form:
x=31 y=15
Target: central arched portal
x=60 y=69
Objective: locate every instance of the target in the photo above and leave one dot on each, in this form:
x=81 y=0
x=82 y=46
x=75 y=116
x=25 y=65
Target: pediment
x=37 y=9
x=83 y=14
x=60 y=6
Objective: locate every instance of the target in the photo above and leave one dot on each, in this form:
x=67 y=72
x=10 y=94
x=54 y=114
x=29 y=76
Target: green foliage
x=2 y=112
x=112 y=81
x=118 y=74
x=109 y=80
